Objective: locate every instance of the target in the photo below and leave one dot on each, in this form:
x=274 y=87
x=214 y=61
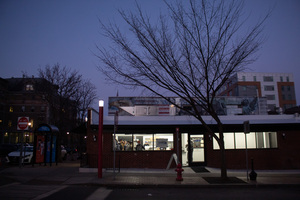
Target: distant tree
x=189 y=53
x=71 y=98
x=84 y=98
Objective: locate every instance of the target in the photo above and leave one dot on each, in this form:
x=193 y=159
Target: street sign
x=246 y=127
x=22 y=123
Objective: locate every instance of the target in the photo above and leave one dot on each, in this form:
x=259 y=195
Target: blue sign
x=44 y=128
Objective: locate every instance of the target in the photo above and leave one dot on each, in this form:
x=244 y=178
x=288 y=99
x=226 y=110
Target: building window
x=254 y=78
x=287 y=79
x=268 y=78
x=143 y=142
x=244 y=78
x=29 y=87
x=23 y=109
x=11 y=109
x=269 y=88
x=255 y=140
x=281 y=79
x=270 y=97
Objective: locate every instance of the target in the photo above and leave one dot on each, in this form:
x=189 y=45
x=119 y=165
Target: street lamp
x=100 y=144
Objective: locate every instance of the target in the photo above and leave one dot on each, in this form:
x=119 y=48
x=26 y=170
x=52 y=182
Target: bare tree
x=189 y=53
x=84 y=98
x=68 y=83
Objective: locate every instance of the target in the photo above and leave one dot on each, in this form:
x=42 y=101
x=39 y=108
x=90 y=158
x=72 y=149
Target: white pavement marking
x=99 y=194
x=49 y=193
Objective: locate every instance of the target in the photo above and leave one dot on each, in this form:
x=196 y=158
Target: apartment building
x=277 y=88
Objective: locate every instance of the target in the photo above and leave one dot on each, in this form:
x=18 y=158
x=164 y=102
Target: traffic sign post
x=23 y=123
x=116 y=121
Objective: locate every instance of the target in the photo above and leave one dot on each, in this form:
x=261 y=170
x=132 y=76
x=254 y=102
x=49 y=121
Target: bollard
x=179 y=171
x=252 y=174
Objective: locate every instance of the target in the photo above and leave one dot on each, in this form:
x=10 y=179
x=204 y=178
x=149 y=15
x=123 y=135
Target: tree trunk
x=223 y=157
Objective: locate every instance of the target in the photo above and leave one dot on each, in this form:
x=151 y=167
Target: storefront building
x=152 y=141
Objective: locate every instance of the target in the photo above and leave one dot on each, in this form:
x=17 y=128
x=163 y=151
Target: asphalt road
x=80 y=192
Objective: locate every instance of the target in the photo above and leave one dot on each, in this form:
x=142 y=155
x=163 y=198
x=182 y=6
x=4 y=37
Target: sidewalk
x=68 y=174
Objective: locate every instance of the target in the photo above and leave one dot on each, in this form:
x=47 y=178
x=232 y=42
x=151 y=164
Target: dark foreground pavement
x=41 y=182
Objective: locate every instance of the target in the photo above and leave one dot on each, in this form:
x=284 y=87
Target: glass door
x=192 y=149
x=196 y=148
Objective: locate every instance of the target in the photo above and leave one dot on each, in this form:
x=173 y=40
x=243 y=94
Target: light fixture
x=101 y=103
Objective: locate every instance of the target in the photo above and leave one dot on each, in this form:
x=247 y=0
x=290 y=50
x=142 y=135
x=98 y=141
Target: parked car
x=5 y=149
x=27 y=155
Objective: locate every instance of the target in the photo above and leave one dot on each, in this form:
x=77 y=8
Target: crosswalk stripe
x=49 y=193
x=99 y=194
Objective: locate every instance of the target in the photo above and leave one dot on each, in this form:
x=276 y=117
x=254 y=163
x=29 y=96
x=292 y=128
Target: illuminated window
x=163 y=142
x=143 y=142
x=255 y=140
x=11 y=109
x=29 y=87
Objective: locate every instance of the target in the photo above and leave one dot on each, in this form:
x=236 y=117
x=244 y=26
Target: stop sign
x=23 y=123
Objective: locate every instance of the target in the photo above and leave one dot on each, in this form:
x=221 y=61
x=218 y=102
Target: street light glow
x=101 y=103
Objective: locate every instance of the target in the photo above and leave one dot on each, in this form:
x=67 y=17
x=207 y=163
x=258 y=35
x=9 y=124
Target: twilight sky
x=35 y=33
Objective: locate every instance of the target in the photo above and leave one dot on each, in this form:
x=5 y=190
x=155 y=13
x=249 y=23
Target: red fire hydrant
x=179 y=171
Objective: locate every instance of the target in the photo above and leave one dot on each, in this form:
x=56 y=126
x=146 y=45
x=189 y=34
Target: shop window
x=240 y=141
x=255 y=140
x=229 y=140
x=251 y=140
x=143 y=142
x=163 y=142
x=123 y=142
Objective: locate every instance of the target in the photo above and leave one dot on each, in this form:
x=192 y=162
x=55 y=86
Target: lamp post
x=100 y=132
